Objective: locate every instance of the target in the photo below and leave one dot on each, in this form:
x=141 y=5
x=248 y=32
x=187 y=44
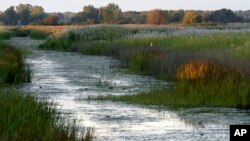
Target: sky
x=135 y=5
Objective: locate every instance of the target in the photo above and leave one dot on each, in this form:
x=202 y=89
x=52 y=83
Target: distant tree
x=111 y=14
x=142 y=18
x=1 y=16
x=62 y=17
x=10 y=16
x=176 y=16
x=59 y=15
x=68 y=16
x=37 y=14
x=244 y=15
x=130 y=17
x=157 y=17
x=134 y=17
x=51 y=20
x=191 y=18
x=222 y=16
x=23 y=12
x=90 y=14
x=78 y=18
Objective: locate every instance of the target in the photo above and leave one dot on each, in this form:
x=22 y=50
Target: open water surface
x=64 y=78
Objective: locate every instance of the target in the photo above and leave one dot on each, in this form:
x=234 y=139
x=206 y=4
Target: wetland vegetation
x=209 y=67
x=23 y=116
x=188 y=71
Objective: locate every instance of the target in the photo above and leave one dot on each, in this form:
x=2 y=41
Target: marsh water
x=68 y=79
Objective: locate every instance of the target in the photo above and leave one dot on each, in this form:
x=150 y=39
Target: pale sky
x=135 y=5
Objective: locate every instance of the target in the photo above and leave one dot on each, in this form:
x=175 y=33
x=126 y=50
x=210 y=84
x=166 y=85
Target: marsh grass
x=23 y=32
x=34 y=34
x=187 y=94
x=12 y=68
x=6 y=35
x=200 y=80
x=208 y=67
x=24 y=118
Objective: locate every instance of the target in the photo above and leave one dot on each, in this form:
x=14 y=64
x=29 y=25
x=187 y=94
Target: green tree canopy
x=176 y=16
x=111 y=14
x=1 y=16
x=10 y=16
x=222 y=16
x=90 y=14
x=23 y=12
x=37 y=14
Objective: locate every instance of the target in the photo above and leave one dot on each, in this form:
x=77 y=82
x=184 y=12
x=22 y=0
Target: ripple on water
x=64 y=77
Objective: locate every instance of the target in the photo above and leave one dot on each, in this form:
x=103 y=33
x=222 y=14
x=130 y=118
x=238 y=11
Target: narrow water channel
x=64 y=78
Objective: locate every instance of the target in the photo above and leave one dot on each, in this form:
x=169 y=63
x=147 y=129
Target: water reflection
x=64 y=77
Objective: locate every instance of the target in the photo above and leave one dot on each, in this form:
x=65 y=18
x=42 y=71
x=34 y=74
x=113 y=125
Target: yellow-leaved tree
x=191 y=18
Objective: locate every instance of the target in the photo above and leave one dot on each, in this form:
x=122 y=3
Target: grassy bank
x=24 y=118
x=12 y=68
x=210 y=67
x=185 y=94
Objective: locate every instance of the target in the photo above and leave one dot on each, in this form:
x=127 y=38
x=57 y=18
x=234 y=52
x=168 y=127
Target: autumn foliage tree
x=51 y=20
x=192 y=17
x=157 y=17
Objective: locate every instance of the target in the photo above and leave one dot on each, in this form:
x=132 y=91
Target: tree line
x=25 y=14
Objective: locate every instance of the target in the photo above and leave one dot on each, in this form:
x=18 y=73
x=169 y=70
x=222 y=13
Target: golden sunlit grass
x=6 y=28
x=52 y=29
x=201 y=70
x=195 y=70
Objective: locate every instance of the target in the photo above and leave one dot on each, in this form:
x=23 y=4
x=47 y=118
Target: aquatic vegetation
x=12 y=68
x=186 y=94
x=5 y=35
x=24 y=117
x=202 y=61
x=200 y=70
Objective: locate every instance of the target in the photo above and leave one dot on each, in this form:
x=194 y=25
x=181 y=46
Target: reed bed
x=25 y=118
x=203 y=62
x=12 y=68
